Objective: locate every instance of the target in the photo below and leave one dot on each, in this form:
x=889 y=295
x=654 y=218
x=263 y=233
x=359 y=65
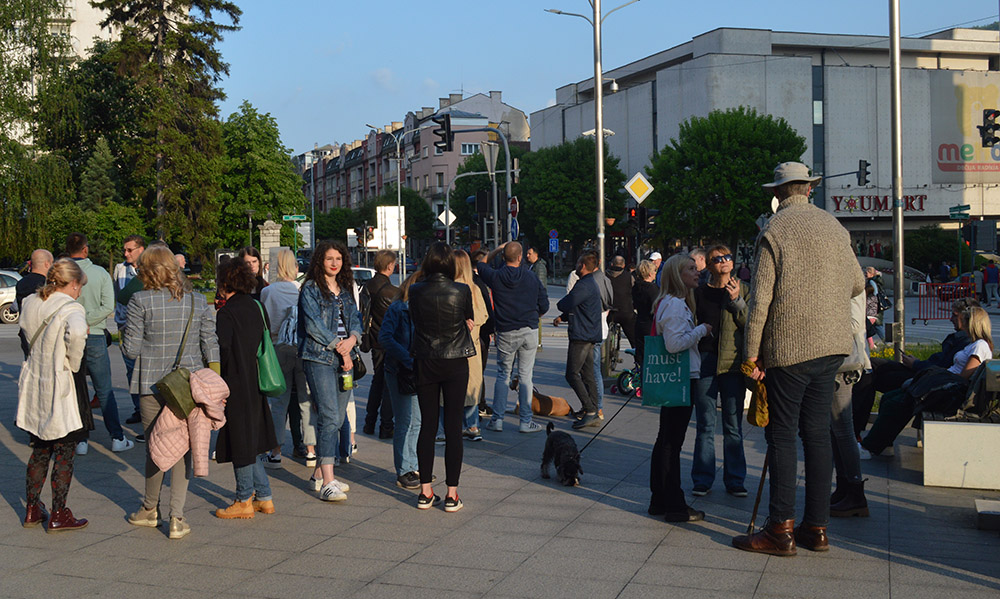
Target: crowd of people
x=806 y=338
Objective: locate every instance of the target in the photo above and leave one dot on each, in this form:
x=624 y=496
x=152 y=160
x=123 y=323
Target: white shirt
x=979 y=348
x=676 y=323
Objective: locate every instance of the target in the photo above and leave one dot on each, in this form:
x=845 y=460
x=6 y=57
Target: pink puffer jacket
x=172 y=437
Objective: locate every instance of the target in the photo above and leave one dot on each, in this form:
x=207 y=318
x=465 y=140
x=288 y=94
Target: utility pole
x=899 y=316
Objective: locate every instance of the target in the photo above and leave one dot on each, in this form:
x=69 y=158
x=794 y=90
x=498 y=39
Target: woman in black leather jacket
x=442 y=315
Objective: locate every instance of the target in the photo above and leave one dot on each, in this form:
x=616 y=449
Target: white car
x=8 y=282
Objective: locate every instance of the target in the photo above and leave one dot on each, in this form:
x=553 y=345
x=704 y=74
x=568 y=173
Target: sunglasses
x=721 y=259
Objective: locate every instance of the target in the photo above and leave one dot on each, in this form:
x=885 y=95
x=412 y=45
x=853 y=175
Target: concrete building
x=834 y=90
x=80 y=23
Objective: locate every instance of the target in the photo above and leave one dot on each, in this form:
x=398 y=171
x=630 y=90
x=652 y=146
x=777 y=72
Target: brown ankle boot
x=239 y=509
x=774 y=539
x=35 y=515
x=812 y=538
x=63 y=520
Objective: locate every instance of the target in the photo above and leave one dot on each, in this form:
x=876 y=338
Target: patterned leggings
x=62 y=472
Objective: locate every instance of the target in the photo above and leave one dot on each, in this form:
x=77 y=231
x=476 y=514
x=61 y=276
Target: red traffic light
x=632 y=212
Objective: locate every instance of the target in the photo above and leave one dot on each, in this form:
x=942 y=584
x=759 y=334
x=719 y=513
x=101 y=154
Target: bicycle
x=630 y=379
x=610 y=349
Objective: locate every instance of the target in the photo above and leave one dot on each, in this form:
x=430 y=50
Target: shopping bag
x=666 y=377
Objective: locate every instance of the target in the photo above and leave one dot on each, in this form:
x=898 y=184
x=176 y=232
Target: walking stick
x=760 y=491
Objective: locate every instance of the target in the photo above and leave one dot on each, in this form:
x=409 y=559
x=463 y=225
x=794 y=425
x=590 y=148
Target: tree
x=258 y=175
x=419 y=220
x=707 y=181
x=96 y=186
x=168 y=47
x=30 y=189
x=468 y=186
x=335 y=223
x=926 y=247
x=558 y=191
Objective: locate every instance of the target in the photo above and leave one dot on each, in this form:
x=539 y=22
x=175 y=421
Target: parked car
x=8 y=293
x=362 y=275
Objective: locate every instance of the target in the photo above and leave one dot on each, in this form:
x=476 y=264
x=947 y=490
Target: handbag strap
x=41 y=329
x=261 y=308
x=187 y=327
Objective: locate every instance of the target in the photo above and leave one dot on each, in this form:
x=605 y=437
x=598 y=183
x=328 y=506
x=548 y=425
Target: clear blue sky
x=323 y=68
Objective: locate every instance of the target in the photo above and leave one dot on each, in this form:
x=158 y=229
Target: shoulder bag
x=270 y=379
x=175 y=386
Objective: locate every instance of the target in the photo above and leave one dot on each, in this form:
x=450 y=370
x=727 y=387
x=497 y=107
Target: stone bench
x=961 y=454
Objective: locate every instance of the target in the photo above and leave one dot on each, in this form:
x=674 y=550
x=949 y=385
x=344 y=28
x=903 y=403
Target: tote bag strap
x=41 y=329
x=187 y=327
x=264 y=320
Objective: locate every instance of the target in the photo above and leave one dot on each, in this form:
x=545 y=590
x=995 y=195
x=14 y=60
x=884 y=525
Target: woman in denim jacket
x=329 y=327
x=395 y=337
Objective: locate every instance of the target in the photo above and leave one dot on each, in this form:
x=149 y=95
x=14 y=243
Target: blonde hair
x=671 y=282
x=646 y=268
x=979 y=326
x=463 y=268
x=404 y=287
x=158 y=269
x=62 y=272
x=288 y=266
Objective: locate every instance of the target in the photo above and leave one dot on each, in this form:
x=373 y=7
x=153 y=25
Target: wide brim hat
x=787 y=172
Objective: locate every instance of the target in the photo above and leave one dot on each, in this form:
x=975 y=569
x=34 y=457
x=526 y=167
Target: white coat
x=47 y=405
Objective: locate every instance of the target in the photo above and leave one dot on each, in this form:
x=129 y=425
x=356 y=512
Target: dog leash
x=600 y=430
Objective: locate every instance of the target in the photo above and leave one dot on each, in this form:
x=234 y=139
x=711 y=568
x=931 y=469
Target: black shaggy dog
x=561 y=449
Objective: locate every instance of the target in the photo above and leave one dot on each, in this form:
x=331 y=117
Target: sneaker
x=300 y=452
x=272 y=462
x=700 y=490
x=425 y=503
x=332 y=492
x=452 y=504
x=864 y=454
x=472 y=434
x=144 y=517
x=409 y=480
x=120 y=445
x=737 y=491
x=179 y=528
x=495 y=425
x=135 y=418
x=342 y=485
x=587 y=420
x=600 y=414
x=142 y=439
x=82 y=447
x=354 y=449
x=315 y=484
x=439 y=440
x=515 y=382
x=530 y=427
x=310 y=459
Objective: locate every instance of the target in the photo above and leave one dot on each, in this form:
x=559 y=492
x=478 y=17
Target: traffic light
x=443 y=131
x=359 y=233
x=863 y=172
x=650 y=220
x=369 y=234
x=633 y=216
x=988 y=129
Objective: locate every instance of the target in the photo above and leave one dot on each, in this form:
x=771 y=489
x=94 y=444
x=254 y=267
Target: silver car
x=8 y=282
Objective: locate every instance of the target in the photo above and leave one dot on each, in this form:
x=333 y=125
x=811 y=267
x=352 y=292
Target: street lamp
x=399 y=201
x=596 y=23
x=250 y=214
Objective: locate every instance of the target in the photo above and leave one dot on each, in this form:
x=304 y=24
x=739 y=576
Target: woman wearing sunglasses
x=721 y=303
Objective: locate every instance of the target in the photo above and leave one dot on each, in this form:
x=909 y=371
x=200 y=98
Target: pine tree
x=96 y=184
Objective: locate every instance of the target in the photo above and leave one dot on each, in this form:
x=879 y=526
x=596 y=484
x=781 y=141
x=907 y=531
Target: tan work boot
x=239 y=509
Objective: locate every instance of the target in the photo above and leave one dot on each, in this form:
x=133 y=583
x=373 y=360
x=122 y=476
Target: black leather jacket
x=439 y=308
x=380 y=293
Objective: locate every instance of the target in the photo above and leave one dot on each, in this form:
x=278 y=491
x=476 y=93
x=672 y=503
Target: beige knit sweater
x=803 y=281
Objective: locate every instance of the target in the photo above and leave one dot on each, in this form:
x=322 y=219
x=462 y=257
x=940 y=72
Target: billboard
x=958 y=99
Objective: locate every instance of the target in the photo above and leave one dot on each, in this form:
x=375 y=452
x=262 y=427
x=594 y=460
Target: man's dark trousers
x=376 y=405
x=580 y=373
x=799 y=400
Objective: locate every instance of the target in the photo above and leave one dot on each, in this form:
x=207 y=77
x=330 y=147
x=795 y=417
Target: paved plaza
x=518 y=536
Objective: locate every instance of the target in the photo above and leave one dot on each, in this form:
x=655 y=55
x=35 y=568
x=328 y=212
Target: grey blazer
x=154 y=326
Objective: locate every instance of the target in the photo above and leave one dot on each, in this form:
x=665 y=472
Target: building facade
x=835 y=91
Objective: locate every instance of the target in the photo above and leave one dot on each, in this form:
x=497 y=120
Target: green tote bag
x=269 y=376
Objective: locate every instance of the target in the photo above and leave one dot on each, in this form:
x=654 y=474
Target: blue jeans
x=799 y=400
x=522 y=343
x=846 y=457
x=99 y=367
x=291 y=368
x=598 y=375
x=251 y=481
x=129 y=368
x=331 y=407
x=406 y=413
x=730 y=387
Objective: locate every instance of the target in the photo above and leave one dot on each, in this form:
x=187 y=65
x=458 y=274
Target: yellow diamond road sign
x=638 y=187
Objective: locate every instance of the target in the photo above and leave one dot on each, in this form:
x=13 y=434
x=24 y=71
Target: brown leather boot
x=812 y=538
x=239 y=509
x=774 y=539
x=63 y=520
x=35 y=515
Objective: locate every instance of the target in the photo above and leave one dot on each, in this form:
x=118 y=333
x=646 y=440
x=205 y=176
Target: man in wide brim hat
x=788 y=172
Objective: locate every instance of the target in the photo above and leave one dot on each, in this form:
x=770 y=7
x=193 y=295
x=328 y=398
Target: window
x=470 y=149
x=438 y=151
x=817 y=112
x=440 y=179
x=425 y=152
x=426 y=183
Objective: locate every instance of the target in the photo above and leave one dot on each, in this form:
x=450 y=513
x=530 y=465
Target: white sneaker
x=120 y=445
x=331 y=492
x=315 y=484
x=495 y=425
x=82 y=447
x=342 y=485
x=531 y=427
x=864 y=453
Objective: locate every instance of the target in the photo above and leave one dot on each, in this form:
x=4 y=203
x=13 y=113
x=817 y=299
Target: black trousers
x=665 y=463
x=580 y=373
x=886 y=375
x=378 y=403
x=437 y=378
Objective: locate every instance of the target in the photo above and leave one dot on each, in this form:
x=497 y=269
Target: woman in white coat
x=48 y=407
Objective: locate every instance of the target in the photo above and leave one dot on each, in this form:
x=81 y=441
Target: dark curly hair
x=235 y=276
x=345 y=278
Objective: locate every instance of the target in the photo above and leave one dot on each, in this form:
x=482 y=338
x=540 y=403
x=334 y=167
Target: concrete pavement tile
x=390 y=531
x=811 y=587
x=393 y=550
x=585 y=563
x=954 y=573
x=39 y=539
x=135 y=589
x=647 y=591
x=700 y=536
x=379 y=590
x=693 y=577
x=915 y=591
x=363 y=568
x=721 y=558
x=487 y=558
x=275 y=585
x=283 y=541
x=474 y=540
x=449 y=578
x=555 y=585
x=548 y=511
x=828 y=565
x=18 y=558
x=29 y=585
x=235 y=556
x=614 y=532
x=944 y=550
x=518 y=524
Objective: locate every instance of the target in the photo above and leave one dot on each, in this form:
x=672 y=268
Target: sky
x=324 y=68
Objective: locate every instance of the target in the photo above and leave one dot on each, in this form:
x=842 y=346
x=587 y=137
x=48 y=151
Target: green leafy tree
x=419 y=216
x=168 y=47
x=258 y=175
x=335 y=223
x=707 y=181
x=469 y=186
x=929 y=245
x=558 y=191
x=96 y=186
x=30 y=189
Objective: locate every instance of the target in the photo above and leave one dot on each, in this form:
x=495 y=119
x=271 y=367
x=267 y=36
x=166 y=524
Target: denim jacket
x=317 y=324
x=394 y=336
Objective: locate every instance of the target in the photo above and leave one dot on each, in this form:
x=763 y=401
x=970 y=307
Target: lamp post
x=596 y=22
x=250 y=214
